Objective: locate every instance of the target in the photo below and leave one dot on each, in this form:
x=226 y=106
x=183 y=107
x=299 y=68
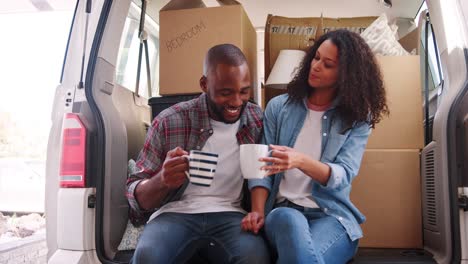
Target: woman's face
x=324 y=67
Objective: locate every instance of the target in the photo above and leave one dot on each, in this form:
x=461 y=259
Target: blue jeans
x=306 y=235
x=215 y=237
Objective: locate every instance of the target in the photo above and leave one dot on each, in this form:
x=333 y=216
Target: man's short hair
x=225 y=54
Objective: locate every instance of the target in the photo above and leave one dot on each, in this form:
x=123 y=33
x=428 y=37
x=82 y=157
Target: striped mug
x=202 y=167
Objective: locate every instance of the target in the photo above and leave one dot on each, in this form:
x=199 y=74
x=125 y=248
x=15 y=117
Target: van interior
x=411 y=206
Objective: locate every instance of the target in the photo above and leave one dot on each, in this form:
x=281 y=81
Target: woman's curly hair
x=359 y=85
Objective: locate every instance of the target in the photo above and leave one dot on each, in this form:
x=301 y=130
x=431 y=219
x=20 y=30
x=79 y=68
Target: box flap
x=228 y=2
x=188 y=4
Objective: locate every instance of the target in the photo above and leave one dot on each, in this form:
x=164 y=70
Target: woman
x=318 y=132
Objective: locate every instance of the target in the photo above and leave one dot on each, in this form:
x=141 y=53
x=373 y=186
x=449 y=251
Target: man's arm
x=150 y=184
x=150 y=192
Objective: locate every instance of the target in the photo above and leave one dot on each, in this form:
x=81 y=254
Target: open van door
x=444 y=158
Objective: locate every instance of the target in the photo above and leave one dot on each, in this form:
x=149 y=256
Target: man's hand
x=253 y=222
x=174 y=167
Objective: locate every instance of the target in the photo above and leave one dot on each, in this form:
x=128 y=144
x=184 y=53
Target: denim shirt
x=342 y=149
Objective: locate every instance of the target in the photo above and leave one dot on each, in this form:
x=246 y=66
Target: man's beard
x=217 y=111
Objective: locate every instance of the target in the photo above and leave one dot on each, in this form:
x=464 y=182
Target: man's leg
x=169 y=238
x=229 y=244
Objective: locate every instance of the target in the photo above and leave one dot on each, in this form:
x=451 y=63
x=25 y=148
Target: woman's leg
x=287 y=231
x=331 y=239
x=314 y=238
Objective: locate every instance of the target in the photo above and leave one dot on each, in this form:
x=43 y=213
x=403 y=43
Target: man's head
x=226 y=81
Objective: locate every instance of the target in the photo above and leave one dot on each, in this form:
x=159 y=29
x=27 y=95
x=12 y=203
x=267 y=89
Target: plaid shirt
x=185 y=125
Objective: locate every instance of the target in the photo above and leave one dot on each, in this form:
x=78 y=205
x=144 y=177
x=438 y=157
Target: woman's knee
x=284 y=222
x=283 y=217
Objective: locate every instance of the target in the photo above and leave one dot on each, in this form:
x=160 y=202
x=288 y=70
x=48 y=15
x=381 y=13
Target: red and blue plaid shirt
x=185 y=125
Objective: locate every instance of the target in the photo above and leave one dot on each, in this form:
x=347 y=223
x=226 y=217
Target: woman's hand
x=282 y=158
x=253 y=222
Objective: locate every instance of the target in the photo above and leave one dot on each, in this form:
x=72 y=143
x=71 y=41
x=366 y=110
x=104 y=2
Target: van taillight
x=73 y=159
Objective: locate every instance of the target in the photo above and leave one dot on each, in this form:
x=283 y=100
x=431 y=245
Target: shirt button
x=340 y=218
x=324 y=117
x=324 y=134
x=210 y=131
x=212 y=244
x=201 y=130
x=325 y=209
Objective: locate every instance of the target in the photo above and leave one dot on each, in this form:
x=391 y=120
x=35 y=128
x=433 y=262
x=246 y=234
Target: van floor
x=364 y=256
x=392 y=256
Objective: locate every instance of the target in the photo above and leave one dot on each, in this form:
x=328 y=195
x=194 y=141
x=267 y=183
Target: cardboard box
x=288 y=33
x=403 y=129
x=186 y=34
x=354 y=24
x=388 y=192
x=411 y=40
x=301 y=32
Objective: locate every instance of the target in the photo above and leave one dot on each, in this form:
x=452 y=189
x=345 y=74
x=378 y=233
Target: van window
x=434 y=60
x=435 y=72
x=127 y=61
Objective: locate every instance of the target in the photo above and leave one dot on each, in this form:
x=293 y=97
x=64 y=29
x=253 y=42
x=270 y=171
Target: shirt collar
x=333 y=105
x=203 y=115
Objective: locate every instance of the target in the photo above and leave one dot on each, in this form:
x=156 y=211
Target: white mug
x=249 y=155
x=202 y=167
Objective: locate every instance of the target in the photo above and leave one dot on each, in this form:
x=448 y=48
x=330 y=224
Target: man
x=190 y=219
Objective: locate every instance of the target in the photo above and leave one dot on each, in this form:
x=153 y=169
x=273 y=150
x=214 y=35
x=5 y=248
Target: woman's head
x=341 y=60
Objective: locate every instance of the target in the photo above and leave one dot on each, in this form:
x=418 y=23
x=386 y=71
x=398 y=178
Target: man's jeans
x=215 y=237
x=307 y=235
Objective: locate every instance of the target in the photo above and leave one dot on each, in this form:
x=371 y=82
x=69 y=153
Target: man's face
x=228 y=91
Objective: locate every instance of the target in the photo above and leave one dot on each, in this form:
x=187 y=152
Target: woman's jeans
x=214 y=237
x=307 y=235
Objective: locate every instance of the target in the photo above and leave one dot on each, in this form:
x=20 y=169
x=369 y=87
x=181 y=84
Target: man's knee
x=254 y=249
x=147 y=254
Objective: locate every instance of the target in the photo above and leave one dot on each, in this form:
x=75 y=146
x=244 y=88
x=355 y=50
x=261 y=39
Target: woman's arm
x=260 y=188
x=254 y=220
x=284 y=158
x=336 y=174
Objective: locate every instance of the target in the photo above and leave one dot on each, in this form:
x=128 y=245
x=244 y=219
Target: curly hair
x=359 y=85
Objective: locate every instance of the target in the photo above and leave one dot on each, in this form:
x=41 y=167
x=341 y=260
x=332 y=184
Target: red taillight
x=73 y=160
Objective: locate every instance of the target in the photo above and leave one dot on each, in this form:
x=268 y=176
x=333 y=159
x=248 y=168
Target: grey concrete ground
x=22 y=188
x=22 y=185
x=32 y=249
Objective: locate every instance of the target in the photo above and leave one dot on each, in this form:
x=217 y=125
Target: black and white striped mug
x=202 y=167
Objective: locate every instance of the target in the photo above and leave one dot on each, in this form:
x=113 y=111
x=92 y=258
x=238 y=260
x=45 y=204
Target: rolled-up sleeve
x=348 y=160
x=269 y=135
x=148 y=164
x=265 y=183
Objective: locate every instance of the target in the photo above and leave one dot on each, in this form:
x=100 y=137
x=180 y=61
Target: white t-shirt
x=296 y=186
x=225 y=191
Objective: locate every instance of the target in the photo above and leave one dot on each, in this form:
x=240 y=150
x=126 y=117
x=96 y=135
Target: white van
x=101 y=114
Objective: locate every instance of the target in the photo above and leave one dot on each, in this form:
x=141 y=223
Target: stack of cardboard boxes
x=388 y=187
